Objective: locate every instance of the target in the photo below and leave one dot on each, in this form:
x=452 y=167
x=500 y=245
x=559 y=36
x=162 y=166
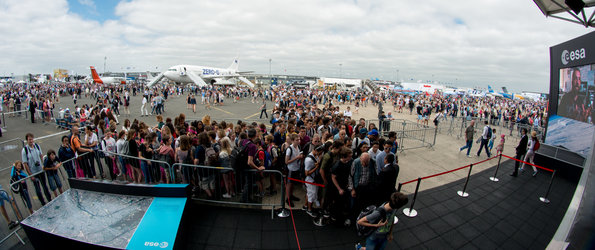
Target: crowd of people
x=344 y=164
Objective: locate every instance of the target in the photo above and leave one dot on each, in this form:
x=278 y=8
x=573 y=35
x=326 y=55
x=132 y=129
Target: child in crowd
x=500 y=146
x=491 y=142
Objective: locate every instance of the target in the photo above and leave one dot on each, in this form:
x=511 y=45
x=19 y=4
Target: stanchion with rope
x=544 y=199
x=410 y=212
x=463 y=193
x=400 y=186
x=494 y=178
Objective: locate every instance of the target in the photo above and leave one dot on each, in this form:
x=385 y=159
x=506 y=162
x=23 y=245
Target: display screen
x=572 y=126
x=577 y=93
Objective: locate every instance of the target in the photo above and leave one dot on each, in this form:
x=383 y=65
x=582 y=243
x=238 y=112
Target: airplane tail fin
x=234 y=65
x=95 y=76
x=490 y=89
x=504 y=90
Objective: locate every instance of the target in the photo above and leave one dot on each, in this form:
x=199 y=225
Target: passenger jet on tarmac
x=106 y=80
x=198 y=74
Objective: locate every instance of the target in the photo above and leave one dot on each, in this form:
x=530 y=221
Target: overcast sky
x=463 y=42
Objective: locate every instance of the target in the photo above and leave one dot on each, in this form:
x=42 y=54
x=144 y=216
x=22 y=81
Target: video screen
x=577 y=93
x=572 y=127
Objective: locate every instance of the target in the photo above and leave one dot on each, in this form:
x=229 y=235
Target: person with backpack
x=206 y=155
x=378 y=224
x=293 y=156
x=246 y=153
x=166 y=154
x=184 y=154
x=533 y=147
x=32 y=156
x=272 y=160
x=17 y=173
x=311 y=167
x=485 y=138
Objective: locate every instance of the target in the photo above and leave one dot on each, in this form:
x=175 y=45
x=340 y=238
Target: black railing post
x=494 y=178
x=463 y=193
x=544 y=199
x=410 y=212
x=400 y=186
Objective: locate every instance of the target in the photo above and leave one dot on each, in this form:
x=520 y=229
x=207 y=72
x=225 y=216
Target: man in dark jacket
x=521 y=149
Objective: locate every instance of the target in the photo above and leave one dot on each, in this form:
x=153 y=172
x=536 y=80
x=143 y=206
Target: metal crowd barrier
x=410 y=135
x=18 y=114
x=27 y=197
x=154 y=168
x=214 y=184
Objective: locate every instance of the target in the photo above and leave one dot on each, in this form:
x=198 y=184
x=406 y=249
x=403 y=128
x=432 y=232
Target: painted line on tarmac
x=222 y=110
x=258 y=113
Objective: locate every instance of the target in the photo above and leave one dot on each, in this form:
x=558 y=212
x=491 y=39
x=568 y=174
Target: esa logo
x=156 y=244
x=572 y=55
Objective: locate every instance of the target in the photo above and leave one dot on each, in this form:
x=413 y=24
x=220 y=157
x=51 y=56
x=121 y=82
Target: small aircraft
x=200 y=75
x=106 y=80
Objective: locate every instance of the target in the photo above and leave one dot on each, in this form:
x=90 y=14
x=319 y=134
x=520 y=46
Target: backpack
x=189 y=158
x=489 y=132
x=364 y=231
x=18 y=187
x=27 y=150
x=537 y=145
x=316 y=174
x=239 y=157
x=211 y=157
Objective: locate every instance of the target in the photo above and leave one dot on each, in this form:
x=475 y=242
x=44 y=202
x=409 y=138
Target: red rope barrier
x=528 y=163
x=450 y=171
x=297 y=239
x=307 y=182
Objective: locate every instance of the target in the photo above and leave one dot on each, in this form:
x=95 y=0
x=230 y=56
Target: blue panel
x=171 y=185
x=159 y=226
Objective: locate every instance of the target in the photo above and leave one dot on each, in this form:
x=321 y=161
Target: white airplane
x=198 y=75
x=106 y=80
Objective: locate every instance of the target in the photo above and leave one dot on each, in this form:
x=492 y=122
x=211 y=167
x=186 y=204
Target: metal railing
x=409 y=134
x=40 y=183
x=154 y=167
x=226 y=186
x=18 y=114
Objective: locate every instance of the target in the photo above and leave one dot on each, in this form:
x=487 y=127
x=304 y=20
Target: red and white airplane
x=106 y=80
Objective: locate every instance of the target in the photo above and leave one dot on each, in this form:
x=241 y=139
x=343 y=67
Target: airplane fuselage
x=179 y=73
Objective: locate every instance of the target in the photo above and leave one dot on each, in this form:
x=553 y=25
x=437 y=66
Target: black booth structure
x=569 y=142
x=98 y=215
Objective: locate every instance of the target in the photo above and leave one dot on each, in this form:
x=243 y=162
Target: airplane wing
x=155 y=80
x=196 y=79
x=245 y=81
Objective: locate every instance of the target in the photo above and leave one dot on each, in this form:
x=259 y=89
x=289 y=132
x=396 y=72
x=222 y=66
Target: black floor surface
x=497 y=215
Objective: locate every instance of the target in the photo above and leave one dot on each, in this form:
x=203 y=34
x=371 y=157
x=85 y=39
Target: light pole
x=340 y=70
x=270 y=62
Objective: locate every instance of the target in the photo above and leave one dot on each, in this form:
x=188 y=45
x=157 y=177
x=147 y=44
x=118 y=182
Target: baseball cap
x=363 y=131
x=373 y=132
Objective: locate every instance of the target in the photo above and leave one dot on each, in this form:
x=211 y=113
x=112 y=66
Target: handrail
x=449 y=171
x=528 y=163
x=141 y=159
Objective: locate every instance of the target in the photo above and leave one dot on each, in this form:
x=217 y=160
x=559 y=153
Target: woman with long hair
x=225 y=163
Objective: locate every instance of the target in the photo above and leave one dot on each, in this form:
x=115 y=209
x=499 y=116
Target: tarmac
x=443 y=156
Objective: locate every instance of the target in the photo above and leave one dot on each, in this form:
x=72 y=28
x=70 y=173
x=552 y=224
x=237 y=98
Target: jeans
x=373 y=243
x=144 y=166
x=265 y=113
x=484 y=143
x=70 y=171
x=54 y=181
x=40 y=180
x=467 y=146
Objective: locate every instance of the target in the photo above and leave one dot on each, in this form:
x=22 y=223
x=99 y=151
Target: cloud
x=501 y=43
x=88 y=3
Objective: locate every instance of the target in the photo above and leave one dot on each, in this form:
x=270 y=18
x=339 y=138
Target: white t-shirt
x=293 y=152
x=309 y=164
x=92 y=139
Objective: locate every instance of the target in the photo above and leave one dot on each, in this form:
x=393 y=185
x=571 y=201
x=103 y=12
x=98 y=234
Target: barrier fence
x=227 y=186
x=411 y=212
x=58 y=181
x=409 y=135
x=458 y=125
x=12 y=115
